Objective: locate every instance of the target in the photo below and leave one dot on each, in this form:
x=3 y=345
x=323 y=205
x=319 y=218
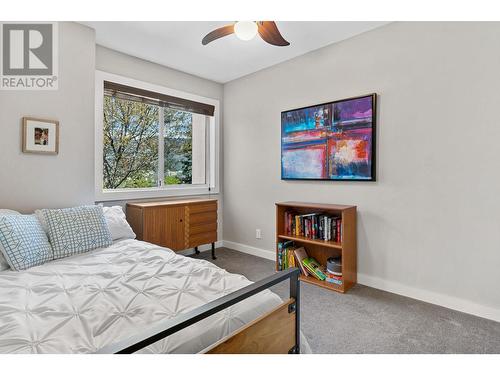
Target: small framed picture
x=40 y=136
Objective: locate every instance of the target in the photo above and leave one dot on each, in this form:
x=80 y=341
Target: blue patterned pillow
x=23 y=242
x=76 y=230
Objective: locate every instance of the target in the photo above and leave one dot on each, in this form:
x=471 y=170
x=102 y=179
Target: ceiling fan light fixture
x=245 y=30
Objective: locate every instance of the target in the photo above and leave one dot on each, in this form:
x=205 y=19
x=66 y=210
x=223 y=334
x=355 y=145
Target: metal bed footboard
x=163 y=330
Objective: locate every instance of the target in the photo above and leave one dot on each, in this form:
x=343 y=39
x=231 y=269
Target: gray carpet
x=367 y=320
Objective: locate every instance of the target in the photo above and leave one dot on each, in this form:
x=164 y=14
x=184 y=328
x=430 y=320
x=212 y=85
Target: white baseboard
x=250 y=250
x=443 y=300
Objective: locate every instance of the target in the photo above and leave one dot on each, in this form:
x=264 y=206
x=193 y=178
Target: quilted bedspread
x=82 y=303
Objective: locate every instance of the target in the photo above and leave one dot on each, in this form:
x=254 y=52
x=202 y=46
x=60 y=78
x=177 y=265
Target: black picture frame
x=373 y=153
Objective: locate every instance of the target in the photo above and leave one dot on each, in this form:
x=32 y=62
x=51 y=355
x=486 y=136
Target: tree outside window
x=131 y=145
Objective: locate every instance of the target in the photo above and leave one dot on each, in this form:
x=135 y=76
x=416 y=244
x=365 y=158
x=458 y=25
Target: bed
x=91 y=301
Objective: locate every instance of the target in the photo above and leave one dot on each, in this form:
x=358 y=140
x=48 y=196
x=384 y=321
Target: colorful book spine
x=338 y=231
x=291 y=258
x=328 y=228
x=280 y=256
x=333 y=279
x=285 y=255
x=314 y=226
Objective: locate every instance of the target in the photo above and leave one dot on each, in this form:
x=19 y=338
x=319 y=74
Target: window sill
x=163 y=192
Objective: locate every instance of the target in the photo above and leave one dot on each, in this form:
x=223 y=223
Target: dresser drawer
x=202 y=217
x=205 y=207
x=202 y=228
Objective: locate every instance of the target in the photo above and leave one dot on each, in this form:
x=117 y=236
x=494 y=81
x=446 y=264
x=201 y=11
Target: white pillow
x=4 y=211
x=3 y=263
x=117 y=223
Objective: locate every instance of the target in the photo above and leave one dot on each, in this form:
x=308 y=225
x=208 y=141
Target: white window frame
x=213 y=145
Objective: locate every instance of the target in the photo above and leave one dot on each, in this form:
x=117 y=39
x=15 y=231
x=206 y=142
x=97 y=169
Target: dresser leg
x=196 y=250
x=213 y=251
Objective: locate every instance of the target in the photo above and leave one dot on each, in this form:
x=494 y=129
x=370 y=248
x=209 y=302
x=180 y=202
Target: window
x=150 y=143
x=184 y=148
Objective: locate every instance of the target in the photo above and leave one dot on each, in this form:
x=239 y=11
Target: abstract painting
x=332 y=141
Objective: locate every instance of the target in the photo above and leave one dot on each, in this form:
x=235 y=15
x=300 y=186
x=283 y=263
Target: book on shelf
x=300 y=255
x=286 y=256
x=334 y=279
x=290 y=256
x=314 y=268
x=280 y=256
x=316 y=226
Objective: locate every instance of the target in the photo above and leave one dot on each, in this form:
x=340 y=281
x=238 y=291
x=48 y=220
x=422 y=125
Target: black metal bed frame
x=162 y=330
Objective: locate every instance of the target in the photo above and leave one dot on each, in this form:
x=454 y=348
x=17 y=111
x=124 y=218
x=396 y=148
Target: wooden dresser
x=176 y=224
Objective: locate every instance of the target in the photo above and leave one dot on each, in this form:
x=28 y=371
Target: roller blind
x=150 y=97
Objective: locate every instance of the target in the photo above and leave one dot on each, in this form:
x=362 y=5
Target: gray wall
x=29 y=181
x=429 y=227
x=115 y=62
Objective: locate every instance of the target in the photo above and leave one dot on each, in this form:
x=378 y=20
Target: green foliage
x=139 y=181
x=172 y=180
x=131 y=134
x=178 y=144
x=130 y=144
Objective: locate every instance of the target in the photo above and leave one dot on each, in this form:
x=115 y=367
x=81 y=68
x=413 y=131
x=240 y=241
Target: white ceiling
x=178 y=44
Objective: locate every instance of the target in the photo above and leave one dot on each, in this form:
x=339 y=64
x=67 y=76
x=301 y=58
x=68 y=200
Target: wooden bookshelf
x=319 y=249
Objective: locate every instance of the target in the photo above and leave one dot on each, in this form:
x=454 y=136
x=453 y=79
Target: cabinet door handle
x=180 y=220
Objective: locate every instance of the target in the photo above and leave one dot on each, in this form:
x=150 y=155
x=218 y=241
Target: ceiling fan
x=246 y=30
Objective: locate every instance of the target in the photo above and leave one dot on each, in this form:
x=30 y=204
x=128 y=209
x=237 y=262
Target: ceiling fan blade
x=270 y=33
x=218 y=33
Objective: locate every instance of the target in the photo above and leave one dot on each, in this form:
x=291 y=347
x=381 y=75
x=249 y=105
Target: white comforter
x=82 y=303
